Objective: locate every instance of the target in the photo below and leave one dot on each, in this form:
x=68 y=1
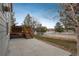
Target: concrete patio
x=33 y=47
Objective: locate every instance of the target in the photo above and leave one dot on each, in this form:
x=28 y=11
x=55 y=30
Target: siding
x=4 y=37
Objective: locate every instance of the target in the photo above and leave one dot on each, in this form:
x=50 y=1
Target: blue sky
x=45 y=13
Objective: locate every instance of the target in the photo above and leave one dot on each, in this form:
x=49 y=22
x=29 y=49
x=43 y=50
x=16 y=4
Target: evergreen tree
x=59 y=27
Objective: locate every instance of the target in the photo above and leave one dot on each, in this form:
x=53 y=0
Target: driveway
x=33 y=47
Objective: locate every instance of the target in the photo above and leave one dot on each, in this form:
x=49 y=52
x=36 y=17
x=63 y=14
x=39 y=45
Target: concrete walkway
x=33 y=47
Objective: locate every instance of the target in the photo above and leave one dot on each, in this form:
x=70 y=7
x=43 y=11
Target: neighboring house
x=5 y=18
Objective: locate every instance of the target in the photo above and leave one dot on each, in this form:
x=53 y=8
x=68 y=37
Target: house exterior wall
x=5 y=18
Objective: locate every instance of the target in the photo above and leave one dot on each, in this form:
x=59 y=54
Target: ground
x=33 y=47
x=63 y=36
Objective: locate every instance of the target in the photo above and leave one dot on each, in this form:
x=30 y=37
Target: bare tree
x=31 y=22
x=71 y=11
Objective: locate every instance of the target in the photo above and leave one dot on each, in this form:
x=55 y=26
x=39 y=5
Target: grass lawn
x=64 y=44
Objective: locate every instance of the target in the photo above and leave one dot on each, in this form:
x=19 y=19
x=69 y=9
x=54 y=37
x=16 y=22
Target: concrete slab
x=33 y=47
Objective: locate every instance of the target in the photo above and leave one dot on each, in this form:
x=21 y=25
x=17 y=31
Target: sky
x=44 y=13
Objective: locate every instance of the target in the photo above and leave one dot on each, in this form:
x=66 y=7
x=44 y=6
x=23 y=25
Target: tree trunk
x=77 y=32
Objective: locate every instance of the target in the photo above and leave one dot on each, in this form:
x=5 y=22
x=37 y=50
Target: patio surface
x=33 y=47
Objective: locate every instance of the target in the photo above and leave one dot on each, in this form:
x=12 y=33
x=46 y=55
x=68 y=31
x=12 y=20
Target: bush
x=41 y=30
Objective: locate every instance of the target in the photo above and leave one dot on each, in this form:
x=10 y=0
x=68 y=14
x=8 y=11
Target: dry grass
x=64 y=44
x=62 y=37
